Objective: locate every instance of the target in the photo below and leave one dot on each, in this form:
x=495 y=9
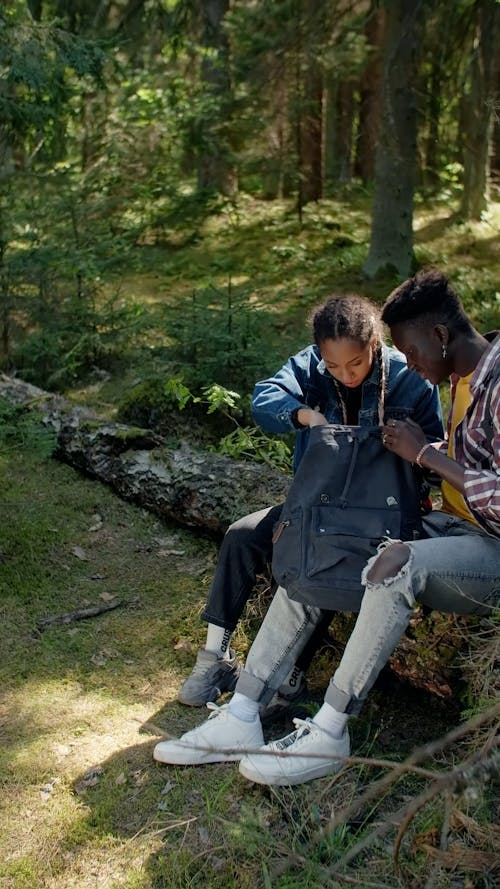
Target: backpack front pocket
x=343 y=539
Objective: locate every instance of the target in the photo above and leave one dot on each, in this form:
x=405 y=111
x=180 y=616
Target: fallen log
x=197 y=489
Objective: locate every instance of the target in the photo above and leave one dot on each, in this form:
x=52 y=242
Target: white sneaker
x=308 y=752
x=221 y=738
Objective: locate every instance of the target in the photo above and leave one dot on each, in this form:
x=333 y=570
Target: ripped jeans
x=455 y=569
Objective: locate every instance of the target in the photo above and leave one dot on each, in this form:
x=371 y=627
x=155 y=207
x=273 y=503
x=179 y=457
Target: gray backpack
x=348 y=494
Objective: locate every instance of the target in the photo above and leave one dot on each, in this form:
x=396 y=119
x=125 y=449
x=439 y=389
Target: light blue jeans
x=455 y=569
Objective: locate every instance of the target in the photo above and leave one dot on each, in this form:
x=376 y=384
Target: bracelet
x=421 y=453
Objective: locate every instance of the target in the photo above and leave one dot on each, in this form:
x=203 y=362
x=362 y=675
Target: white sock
x=218 y=641
x=331 y=720
x=244 y=708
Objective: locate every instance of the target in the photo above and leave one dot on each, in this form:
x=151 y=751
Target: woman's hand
x=403 y=437
x=307 y=417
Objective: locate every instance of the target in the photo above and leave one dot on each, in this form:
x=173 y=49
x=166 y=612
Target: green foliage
x=177 y=393
x=152 y=402
x=42 y=66
x=76 y=338
x=219 y=335
x=157 y=404
x=250 y=443
x=219 y=398
x=23 y=430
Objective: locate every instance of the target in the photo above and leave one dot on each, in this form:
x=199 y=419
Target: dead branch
x=427 y=751
x=79 y=614
x=456 y=781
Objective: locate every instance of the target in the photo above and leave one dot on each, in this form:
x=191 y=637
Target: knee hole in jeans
x=389 y=563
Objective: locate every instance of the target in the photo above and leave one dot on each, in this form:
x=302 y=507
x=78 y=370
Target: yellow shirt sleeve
x=453 y=501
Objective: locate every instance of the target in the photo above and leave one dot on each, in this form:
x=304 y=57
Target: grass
x=82 y=704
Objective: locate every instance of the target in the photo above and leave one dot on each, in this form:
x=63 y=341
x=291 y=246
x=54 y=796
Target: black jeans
x=245 y=552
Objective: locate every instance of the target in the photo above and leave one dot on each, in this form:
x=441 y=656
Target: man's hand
x=403 y=437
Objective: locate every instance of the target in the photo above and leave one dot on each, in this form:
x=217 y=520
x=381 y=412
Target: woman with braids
x=349 y=377
x=455 y=568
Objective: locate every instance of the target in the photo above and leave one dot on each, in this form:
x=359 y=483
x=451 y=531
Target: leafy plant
x=251 y=443
x=219 y=398
x=20 y=429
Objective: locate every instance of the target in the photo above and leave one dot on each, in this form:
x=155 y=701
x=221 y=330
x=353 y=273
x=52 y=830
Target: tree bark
x=310 y=165
x=370 y=94
x=478 y=106
x=391 y=244
x=215 y=172
x=431 y=171
x=339 y=111
x=197 y=489
x=495 y=146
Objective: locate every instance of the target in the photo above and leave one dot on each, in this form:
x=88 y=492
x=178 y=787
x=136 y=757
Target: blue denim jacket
x=304 y=381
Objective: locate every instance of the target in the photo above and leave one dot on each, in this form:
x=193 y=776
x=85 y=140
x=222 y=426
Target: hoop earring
x=444 y=352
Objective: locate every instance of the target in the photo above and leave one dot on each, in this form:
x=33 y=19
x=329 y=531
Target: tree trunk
x=339 y=113
x=277 y=162
x=478 y=113
x=370 y=94
x=7 y=169
x=215 y=172
x=431 y=171
x=310 y=166
x=35 y=8
x=391 y=244
x=309 y=16
x=197 y=489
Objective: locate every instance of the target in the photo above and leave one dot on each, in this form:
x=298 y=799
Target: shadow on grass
x=207 y=826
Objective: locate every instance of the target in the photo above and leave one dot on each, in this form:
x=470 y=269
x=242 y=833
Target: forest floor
x=83 y=804
x=82 y=704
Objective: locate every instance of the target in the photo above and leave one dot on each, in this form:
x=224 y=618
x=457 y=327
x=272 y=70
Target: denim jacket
x=304 y=381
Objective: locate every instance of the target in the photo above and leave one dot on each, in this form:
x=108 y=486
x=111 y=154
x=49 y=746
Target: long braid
x=341 y=401
x=381 y=383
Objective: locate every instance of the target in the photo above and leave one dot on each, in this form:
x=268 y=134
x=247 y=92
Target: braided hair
x=351 y=317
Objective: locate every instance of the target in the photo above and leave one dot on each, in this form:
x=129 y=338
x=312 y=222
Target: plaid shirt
x=477 y=442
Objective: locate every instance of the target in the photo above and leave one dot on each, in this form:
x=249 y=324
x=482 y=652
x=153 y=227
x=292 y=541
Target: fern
x=22 y=430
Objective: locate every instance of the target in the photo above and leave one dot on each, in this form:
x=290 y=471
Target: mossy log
x=197 y=489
